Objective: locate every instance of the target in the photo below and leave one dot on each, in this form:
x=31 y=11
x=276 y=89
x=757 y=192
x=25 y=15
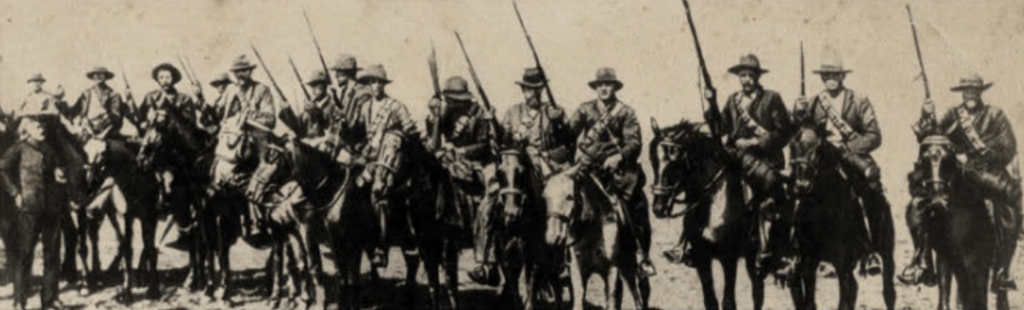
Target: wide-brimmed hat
x=748 y=62
x=175 y=73
x=99 y=71
x=457 y=88
x=345 y=62
x=221 y=79
x=605 y=75
x=532 y=78
x=972 y=81
x=317 y=77
x=832 y=63
x=374 y=72
x=38 y=77
x=242 y=63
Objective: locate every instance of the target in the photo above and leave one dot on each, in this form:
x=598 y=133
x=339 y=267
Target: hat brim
x=367 y=80
x=242 y=68
x=960 y=88
x=459 y=96
x=106 y=75
x=739 y=68
x=346 y=69
x=36 y=80
x=831 y=71
x=317 y=82
x=594 y=84
x=531 y=85
x=216 y=83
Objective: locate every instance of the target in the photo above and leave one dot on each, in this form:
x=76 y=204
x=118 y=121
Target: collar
x=604 y=109
x=981 y=106
x=754 y=95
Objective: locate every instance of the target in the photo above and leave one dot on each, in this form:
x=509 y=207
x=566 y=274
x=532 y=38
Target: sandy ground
x=675 y=287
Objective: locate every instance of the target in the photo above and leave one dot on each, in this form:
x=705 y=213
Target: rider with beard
x=981 y=132
x=757 y=127
x=541 y=129
x=211 y=113
x=608 y=149
x=849 y=119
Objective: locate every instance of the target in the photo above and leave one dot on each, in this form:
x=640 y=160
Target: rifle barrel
x=715 y=116
x=472 y=72
x=432 y=63
x=536 y=59
x=803 y=86
x=316 y=43
x=298 y=77
x=269 y=75
x=920 y=60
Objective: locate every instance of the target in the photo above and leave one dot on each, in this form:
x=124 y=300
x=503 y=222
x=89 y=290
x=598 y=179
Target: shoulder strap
x=833 y=116
x=965 y=120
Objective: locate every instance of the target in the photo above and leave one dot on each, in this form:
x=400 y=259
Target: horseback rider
x=98 y=105
x=310 y=124
x=982 y=132
x=465 y=151
x=540 y=128
x=849 y=119
x=378 y=113
x=343 y=93
x=248 y=95
x=212 y=113
x=167 y=99
x=757 y=127
x=608 y=148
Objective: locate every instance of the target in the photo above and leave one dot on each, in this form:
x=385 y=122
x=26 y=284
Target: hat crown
x=750 y=60
x=972 y=79
x=100 y=71
x=317 y=76
x=456 y=84
x=242 y=63
x=533 y=76
x=831 y=60
x=375 y=72
x=221 y=78
x=37 y=77
x=345 y=62
x=606 y=74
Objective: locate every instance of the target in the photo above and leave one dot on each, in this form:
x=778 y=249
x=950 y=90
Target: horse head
x=274 y=154
x=808 y=158
x=512 y=176
x=938 y=162
x=151 y=144
x=95 y=155
x=684 y=164
x=559 y=196
x=384 y=172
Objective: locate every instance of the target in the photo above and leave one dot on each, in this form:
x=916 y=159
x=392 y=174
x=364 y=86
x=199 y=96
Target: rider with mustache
x=849 y=118
x=757 y=127
x=981 y=132
x=98 y=105
x=608 y=149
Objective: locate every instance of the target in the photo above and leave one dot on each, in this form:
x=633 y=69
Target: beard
x=833 y=85
x=971 y=104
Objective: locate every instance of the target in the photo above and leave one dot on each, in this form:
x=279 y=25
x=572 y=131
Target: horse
x=408 y=183
x=123 y=194
x=957 y=228
x=520 y=222
x=169 y=150
x=827 y=210
x=296 y=182
x=689 y=174
x=8 y=136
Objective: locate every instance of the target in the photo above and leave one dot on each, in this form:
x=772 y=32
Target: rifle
x=270 y=76
x=432 y=63
x=299 y=78
x=803 y=84
x=492 y=126
x=191 y=79
x=316 y=43
x=920 y=61
x=714 y=116
x=124 y=76
x=536 y=59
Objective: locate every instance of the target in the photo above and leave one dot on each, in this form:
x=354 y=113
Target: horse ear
x=654 y=127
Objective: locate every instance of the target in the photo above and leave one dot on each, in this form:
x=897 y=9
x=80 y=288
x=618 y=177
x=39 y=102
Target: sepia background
x=647 y=42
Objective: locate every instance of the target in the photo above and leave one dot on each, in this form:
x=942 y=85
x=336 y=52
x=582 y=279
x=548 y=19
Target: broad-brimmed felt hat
x=221 y=79
x=345 y=62
x=457 y=88
x=242 y=63
x=317 y=77
x=971 y=81
x=175 y=73
x=372 y=73
x=605 y=75
x=38 y=77
x=748 y=62
x=532 y=78
x=100 y=72
x=832 y=63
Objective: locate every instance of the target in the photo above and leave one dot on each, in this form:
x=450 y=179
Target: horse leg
x=809 y=277
x=578 y=279
x=847 y=286
x=69 y=230
x=757 y=282
x=82 y=235
x=451 y=271
x=729 y=267
x=94 y=252
x=972 y=287
x=149 y=256
x=707 y=283
x=1002 y=301
x=888 y=263
x=431 y=256
x=126 y=257
x=945 y=283
x=635 y=285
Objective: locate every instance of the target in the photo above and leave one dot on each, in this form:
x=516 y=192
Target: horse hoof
x=219 y=294
x=153 y=294
x=83 y=291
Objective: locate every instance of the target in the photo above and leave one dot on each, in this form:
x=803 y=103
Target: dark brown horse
x=827 y=211
x=409 y=183
x=957 y=228
x=688 y=173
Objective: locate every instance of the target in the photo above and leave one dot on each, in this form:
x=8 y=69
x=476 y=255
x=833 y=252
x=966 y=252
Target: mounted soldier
x=248 y=95
x=167 y=99
x=983 y=134
x=608 y=148
x=212 y=113
x=849 y=118
x=756 y=127
x=98 y=107
x=540 y=129
x=377 y=113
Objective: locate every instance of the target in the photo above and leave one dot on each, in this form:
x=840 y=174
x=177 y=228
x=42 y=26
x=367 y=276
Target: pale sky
x=647 y=42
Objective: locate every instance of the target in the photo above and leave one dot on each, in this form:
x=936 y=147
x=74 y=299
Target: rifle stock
x=432 y=63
